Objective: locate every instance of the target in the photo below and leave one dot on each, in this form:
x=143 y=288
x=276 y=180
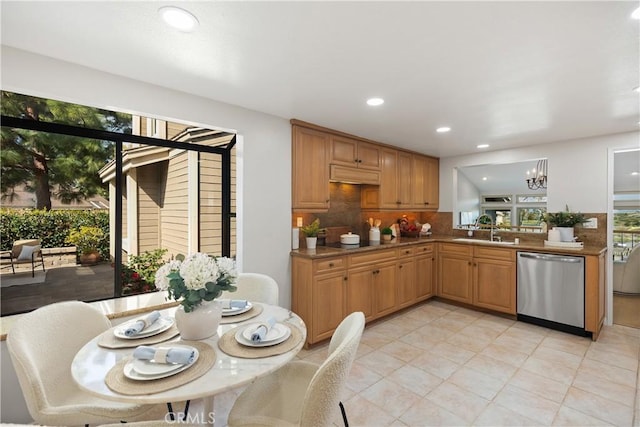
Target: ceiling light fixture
x=635 y=173
x=637 y=89
x=537 y=177
x=636 y=14
x=374 y=102
x=178 y=18
x=443 y=129
x=484 y=178
x=482 y=146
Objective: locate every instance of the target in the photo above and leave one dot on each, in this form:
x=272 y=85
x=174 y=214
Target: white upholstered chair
x=302 y=393
x=255 y=287
x=42 y=345
x=626 y=274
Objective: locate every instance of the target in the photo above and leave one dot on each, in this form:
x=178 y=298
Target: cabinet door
x=310 y=186
x=405 y=174
x=432 y=184
x=406 y=282
x=344 y=151
x=495 y=285
x=328 y=306
x=424 y=276
x=456 y=278
x=368 y=156
x=389 y=180
x=418 y=183
x=384 y=285
x=360 y=292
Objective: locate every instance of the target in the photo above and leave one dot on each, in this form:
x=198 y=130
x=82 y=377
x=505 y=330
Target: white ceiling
x=504 y=73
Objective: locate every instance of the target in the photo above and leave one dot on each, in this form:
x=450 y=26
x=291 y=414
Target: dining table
x=102 y=366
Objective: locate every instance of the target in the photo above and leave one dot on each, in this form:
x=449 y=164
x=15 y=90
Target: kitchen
x=580 y=162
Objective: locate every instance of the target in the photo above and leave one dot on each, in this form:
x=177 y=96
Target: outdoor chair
x=24 y=252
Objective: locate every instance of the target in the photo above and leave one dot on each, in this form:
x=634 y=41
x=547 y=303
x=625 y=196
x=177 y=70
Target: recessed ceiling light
x=483 y=146
x=636 y=14
x=443 y=129
x=635 y=173
x=374 y=102
x=484 y=178
x=637 y=89
x=179 y=19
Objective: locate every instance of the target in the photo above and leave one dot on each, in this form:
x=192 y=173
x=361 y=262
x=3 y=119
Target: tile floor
x=438 y=364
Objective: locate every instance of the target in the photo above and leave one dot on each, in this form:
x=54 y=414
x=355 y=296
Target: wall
x=264 y=160
x=468 y=197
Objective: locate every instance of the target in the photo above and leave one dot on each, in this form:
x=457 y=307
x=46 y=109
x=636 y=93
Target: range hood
x=349 y=175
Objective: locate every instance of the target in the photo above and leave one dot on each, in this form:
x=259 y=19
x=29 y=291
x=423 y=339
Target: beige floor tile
x=492 y=367
x=361 y=412
x=496 y=415
x=436 y=365
x=415 y=379
x=427 y=413
x=361 y=377
x=505 y=354
x=567 y=343
x=495 y=323
x=550 y=369
x=609 y=372
x=402 y=350
x=452 y=352
x=528 y=331
x=476 y=382
x=467 y=342
x=393 y=398
x=363 y=349
x=601 y=354
x=375 y=339
x=562 y=358
x=586 y=381
x=516 y=344
x=457 y=400
x=395 y=328
x=452 y=324
x=478 y=329
x=380 y=362
x=539 y=385
x=570 y=417
x=528 y=404
x=599 y=407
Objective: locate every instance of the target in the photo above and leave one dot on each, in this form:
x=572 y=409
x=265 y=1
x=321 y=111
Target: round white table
x=92 y=363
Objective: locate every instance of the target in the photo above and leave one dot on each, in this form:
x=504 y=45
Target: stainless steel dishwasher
x=551 y=291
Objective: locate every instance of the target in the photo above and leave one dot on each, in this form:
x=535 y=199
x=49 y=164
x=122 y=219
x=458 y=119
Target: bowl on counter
x=349 y=239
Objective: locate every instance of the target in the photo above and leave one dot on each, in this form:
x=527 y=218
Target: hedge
x=51 y=227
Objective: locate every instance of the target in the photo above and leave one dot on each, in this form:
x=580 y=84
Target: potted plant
x=564 y=221
x=387 y=234
x=86 y=240
x=311 y=233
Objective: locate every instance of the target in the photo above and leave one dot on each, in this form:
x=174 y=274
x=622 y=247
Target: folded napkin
x=262 y=330
x=142 y=324
x=181 y=355
x=234 y=303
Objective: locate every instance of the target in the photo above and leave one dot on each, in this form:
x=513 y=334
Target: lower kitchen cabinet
x=456 y=272
x=359 y=291
x=425 y=258
x=406 y=277
x=384 y=288
x=371 y=284
x=494 y=285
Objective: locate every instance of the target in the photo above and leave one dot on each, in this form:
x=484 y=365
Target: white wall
x=264 y=186
x=468 y=198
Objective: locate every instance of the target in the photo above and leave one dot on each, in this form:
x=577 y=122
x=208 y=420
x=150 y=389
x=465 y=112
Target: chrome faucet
x=491 y=226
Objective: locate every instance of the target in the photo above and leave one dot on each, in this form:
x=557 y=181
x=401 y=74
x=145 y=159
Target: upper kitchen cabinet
x=354 y=153
x=426 y=182
x=310 y=183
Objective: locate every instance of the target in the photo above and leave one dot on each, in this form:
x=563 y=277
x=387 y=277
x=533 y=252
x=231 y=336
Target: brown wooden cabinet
x=371 y=283
x=425 y=185
x=594 y=293
x=351 y=152
x=406 y=278
x=310 y=183
x=425 y=257
x=494 y=284
x=455 y=272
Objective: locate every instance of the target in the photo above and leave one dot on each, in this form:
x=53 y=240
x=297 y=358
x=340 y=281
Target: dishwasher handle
x=557 y=258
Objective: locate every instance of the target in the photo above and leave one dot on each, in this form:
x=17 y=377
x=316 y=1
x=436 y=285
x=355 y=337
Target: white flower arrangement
x=196 y=278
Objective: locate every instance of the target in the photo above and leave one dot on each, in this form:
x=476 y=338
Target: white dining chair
x=42 y=345
x=302 y=393
x=255 y=287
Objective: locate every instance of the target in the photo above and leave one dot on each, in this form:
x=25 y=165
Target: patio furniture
x=302 y=393
x=42 y=345
x=626 y=274
x=26 y=251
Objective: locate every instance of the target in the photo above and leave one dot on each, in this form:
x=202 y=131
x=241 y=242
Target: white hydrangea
x=162 y=282
x=227 y=266
x=199 y=269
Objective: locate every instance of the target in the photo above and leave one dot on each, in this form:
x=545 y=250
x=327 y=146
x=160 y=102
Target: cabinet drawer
x=454 y=248
x=329 y=265
x=377 y=256
x=494 y=253
x=404 y=252
x=424 y=249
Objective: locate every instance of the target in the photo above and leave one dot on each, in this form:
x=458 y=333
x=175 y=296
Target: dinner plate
x=160 y=325
x=154 y=371
x=276 y=335
x=235 y=310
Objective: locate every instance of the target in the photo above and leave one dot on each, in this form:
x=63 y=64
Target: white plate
x=160 y=325
x=234 y=310
x=277 y=334
x=149 y=367
x=131 y=372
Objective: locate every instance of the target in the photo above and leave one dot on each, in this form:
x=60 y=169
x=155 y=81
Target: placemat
x=117 y=382
x=108 y=340
x=253 y=312
x=232 y=347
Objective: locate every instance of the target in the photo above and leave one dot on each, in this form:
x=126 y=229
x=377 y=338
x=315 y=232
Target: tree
x=46 y=163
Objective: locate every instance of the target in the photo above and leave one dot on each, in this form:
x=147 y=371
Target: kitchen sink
x=483 y=241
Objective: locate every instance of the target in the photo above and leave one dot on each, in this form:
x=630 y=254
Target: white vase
x=566 y=233
x=311 y=242
x=200 y=323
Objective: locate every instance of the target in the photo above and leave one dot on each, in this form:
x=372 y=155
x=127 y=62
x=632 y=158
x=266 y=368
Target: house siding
x=174 y=227
x=151 y=179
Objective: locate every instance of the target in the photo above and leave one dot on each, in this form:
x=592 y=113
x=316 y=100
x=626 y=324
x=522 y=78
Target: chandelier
x=537 y=178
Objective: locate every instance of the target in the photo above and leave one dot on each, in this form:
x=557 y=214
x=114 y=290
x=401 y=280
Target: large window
x=524 y=213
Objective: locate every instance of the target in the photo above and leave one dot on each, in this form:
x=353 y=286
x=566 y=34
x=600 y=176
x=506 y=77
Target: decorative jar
x=200 y=323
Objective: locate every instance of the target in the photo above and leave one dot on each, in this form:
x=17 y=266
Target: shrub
x=139 y=274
